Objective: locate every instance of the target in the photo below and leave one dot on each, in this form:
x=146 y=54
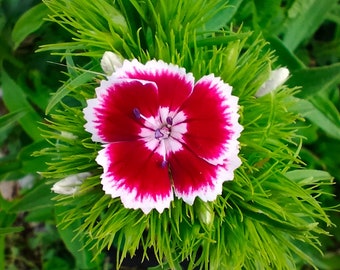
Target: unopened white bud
x=277 y=77
x=111 y=62
x=70 y=184
x=68 y=135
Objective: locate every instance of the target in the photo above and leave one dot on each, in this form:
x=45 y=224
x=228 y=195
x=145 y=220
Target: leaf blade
x=15 y=99
x=304 y=18
x=28 y=23
x=314 y=80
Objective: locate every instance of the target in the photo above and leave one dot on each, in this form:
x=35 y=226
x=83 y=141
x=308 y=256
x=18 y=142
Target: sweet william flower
x=163 y=134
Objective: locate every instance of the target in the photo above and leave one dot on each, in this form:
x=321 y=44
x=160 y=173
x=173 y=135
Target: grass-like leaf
x=28 y=23
x=262 y=217
x=304 y=18
x=15 y=99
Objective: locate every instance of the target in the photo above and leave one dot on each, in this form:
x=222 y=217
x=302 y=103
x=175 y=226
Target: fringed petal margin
x=195 y=177
x=174 y=84
x=212 y=121
x=110 y=116
x=136 y=175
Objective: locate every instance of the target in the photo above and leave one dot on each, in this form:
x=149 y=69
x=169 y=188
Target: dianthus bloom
x=163 y=134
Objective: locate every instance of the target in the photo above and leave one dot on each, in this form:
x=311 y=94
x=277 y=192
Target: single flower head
x=163 y=134
x=70 y=184
x=277 y=77
x=110 y=62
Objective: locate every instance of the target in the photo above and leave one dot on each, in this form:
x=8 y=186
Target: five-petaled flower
x=163 y=134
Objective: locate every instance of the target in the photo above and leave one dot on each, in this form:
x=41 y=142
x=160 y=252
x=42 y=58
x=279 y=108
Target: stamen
x=169 y=120
x=164 y=163
x=158 y=134
x=136 y=113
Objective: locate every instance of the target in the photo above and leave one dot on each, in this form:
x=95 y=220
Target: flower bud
x=277 y=77
x=68 y=135
x=205 y=212
x=70 y=184
x=111 y=62
x=231 y=55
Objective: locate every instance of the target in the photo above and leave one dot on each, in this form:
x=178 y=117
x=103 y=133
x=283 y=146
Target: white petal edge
x=208 y=193
x=92 y=104
x=90 y=117
x=152 y=67
x=231 y=147
x=111 y=186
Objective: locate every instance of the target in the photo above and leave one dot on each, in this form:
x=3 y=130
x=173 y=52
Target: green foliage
x=28 y=23
x=264 y=216
x=304 y=18
x=15 y=99
x=84 y=257
x=313 y=62
x=273 y=215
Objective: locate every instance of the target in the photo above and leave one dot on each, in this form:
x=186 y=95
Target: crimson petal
x=212 y=121
x=174 y=84
x=110 y=117
x=140 y=101
x=136 y=175
x=195 y=177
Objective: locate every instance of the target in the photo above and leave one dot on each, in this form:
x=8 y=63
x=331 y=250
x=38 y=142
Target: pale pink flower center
x=164 y=132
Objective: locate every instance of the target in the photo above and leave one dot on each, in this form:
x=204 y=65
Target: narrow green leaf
x=268 y=15
x=219 y=40
x=285 y=56
x=304 y=18
x=327 y=108
x=28 y=23
x=331 y=260
x=15 y=99
x=9 y=165
x=8 y=230
x=223 y=16
x=333 y=15
x=269 y=220
x=9 y=119
x=38 y=197
x=33 y=163
x=40 y=215
x=324 y=121
x=314 y=80
x=76 y=246
x=66 y=88
x=301 y=175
